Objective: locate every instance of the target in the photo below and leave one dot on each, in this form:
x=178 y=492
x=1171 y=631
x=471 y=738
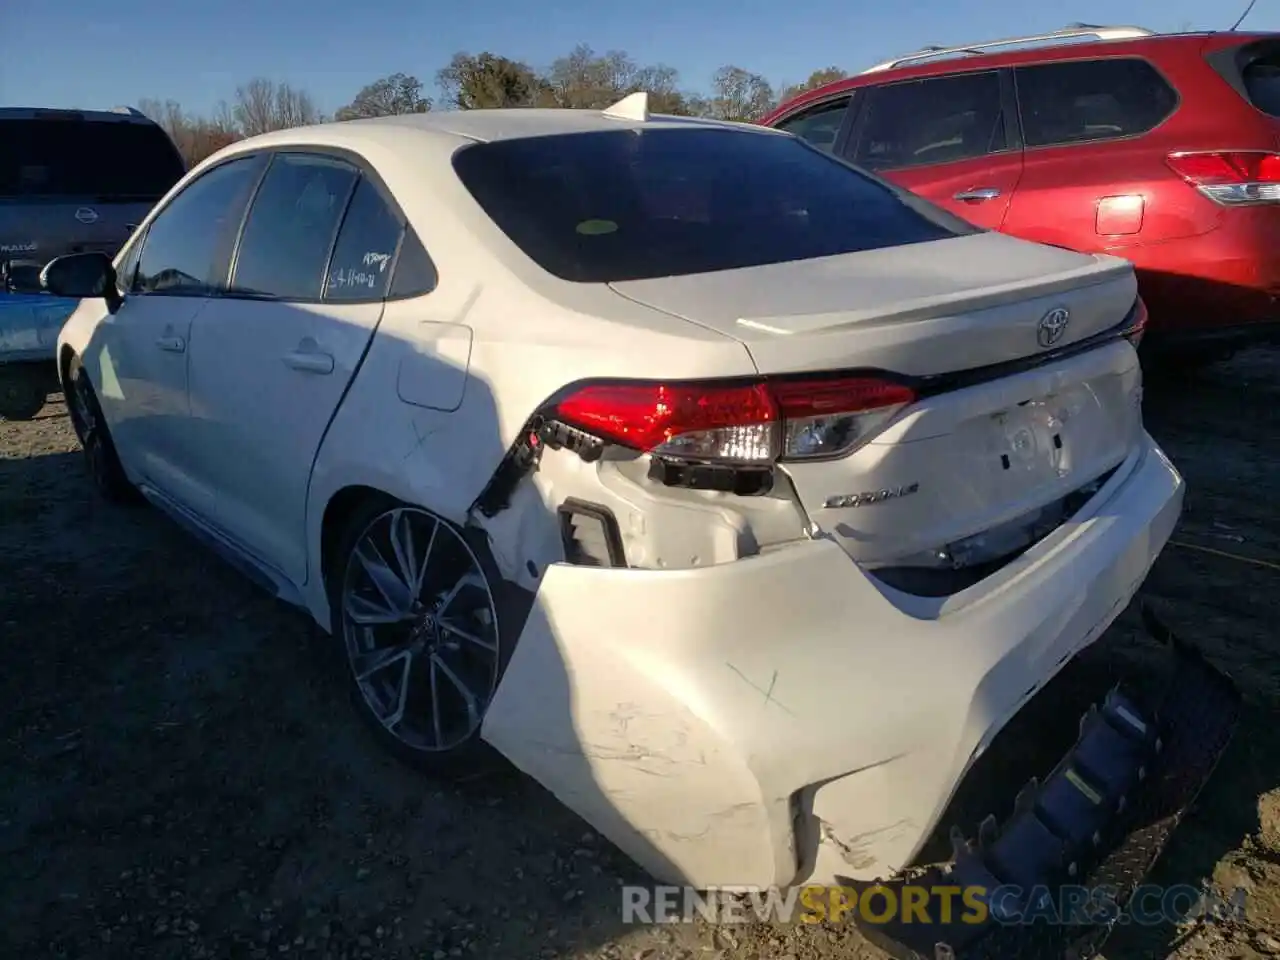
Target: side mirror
x=83 y=276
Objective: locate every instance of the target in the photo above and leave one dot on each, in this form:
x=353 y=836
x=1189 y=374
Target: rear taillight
x=755 y=422
x=1231 y=176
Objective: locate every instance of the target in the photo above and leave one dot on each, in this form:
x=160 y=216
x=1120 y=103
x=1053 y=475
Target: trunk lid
x=963 y=477
x=920 y=310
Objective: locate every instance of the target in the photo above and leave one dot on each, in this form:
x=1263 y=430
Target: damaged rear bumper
x=1057 y=875
x=780 y=720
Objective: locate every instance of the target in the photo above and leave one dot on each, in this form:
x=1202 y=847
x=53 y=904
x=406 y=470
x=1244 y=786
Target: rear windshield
x=636 y=204
x=86 y=158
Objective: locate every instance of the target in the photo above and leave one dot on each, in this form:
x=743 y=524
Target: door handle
x=171 y=344
x=978 y=193
x=309 y=361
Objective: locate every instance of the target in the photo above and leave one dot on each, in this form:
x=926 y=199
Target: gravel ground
x=180 y=776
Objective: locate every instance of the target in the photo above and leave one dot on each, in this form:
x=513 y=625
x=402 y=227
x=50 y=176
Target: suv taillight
x=1231 y=176
x=753 y=422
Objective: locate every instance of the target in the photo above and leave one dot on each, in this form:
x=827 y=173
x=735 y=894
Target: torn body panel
x=658 y=526
x=776 y=719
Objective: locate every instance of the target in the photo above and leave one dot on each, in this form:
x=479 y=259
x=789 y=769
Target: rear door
x=1093 y=178
x=949 y=139
x=271 y=360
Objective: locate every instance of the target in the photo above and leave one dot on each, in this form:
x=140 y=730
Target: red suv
x=1164 y=149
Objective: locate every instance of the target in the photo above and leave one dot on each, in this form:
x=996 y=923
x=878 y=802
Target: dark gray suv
x=70 y=181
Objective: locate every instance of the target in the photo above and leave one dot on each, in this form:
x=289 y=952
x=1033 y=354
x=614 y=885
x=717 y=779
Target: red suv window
x=1083 y=100
x=936 y=120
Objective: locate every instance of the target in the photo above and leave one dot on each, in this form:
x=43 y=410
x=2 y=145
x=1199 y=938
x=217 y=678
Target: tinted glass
x=940 y=120
x=185 y=240
x=415 y=273
x=291 y=227
x=96 y=159
x=631 y=204
x=362 y=261
x=1262 y=81
x=1091 y=100
x=820 y=125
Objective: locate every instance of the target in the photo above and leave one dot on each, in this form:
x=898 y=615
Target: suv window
x=935 y=120
x=77 y=157
x=608 y=206
x=1084 y=100
x=1262 y=82
x=290 y=231
x=186 y=240
x=361 y=265
x=818 y=125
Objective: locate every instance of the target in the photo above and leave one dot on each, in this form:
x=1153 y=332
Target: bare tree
x=394 y=94
x=738 y=94
x=195 y=137
x=262 y=105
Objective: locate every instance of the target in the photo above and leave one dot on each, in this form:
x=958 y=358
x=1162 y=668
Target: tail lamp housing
x=751 y=422
x=1230 y=177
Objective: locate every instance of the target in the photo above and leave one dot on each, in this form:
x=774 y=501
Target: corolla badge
x=87 y=215
x=1052 y=326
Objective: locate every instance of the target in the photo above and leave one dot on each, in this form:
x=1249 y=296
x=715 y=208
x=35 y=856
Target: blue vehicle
x=71 y=181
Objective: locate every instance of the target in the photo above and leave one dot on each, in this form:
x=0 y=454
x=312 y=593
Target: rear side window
x=1087 y=100
x=285 y=246
x=1262 y=81
x=818 y=125
x=634 y=204
x=938 y=120
x=363 y=257
x=90 y=159
x=188 y=238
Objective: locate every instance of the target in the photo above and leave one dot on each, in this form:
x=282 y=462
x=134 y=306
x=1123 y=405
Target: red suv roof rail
x=1076 y=31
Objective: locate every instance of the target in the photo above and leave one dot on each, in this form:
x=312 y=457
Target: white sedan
x=735 y=495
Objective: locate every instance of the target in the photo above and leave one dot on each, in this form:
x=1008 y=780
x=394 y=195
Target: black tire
x=105 y=470
x=24 y=388
x=471 y=757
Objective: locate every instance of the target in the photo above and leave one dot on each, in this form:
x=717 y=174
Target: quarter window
x=1084 y=100
x=184 y=243
x=938 y=120
x=818 y=125
x=291 y=227
x=363 y=258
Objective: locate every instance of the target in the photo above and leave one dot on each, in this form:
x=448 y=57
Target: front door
x=138 y=358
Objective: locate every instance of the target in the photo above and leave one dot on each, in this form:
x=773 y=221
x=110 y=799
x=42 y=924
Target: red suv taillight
x=756 y=422
x=1231 y=176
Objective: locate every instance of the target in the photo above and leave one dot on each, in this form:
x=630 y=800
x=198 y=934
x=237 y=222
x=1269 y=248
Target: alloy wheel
x=420 y=628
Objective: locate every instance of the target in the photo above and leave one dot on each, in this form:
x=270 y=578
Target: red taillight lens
x=755 y=422
x=1231 y=176
x=700 y=421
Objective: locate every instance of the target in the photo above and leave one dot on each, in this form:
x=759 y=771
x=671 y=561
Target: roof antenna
x=634 y=106
x=1247 y=10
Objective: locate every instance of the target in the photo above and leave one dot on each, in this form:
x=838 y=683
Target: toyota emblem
x=1052 y=326
x=87 y=215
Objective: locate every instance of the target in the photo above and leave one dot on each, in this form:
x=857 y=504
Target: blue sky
x=89 y=53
